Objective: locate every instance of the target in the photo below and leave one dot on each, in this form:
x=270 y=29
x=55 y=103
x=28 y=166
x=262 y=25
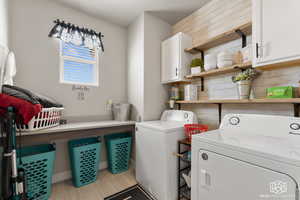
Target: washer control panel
x=180 y=116
x=274 y=126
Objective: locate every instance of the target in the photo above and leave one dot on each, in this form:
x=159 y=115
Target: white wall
x=38 y=64
x=4 y=22
x=135 y=66
x=156 y=94
x=38 y=57
x=145 y=91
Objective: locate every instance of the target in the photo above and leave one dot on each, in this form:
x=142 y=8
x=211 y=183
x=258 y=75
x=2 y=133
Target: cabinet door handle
x=176 y=71
x=257 y=48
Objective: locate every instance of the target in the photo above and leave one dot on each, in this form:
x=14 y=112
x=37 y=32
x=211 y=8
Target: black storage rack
x=184 y=165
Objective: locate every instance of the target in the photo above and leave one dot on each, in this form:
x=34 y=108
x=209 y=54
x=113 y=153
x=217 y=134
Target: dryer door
x=222 y=177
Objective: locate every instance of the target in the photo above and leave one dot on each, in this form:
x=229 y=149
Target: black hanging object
x=101 y=43
x=63 y=24
x=53 y=30
x=202 y=78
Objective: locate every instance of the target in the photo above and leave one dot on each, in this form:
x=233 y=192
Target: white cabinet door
x=276 y=31
x=170 y=59
x=222 y=177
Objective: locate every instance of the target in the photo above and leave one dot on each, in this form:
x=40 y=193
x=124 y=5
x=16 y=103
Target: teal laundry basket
x=118 y=151
x=85 y=158
x=38 y=163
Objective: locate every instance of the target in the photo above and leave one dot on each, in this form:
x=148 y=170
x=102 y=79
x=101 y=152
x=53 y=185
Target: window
x=79 y=65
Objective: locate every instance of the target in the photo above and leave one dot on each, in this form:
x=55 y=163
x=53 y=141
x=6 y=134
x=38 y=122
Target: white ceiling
x=122 y=12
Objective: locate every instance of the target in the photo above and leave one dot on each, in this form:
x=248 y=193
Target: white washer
x=156 y=141
x=250 y=157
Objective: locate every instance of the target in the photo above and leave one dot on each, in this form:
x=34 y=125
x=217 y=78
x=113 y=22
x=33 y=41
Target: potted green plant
x=244 y=82
x=197 y=66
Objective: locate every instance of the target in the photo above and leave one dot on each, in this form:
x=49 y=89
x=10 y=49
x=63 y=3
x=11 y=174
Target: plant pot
x=196 y=70
x=244 y=89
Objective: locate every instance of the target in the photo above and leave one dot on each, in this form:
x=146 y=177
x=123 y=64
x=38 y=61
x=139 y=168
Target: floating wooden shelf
x=221 y=39
x=243 y=101
x=178 y=82
x=224 y=70
x=220 y=102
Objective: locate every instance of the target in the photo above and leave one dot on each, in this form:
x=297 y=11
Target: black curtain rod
x=83 y=29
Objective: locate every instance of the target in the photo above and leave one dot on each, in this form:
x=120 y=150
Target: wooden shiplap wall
x=215 y=18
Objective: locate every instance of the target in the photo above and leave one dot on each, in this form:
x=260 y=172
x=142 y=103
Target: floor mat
x=133 y=193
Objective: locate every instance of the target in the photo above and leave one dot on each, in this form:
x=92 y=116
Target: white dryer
x=156 y=141
x=250 y=157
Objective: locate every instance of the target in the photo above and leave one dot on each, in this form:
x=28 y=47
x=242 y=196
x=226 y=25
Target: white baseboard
x=62 y=176
x=66 y=175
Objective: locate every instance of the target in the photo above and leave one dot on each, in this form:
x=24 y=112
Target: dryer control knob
x=295 y=126
x=234 y=120
x=186 y=115
x=204 y=156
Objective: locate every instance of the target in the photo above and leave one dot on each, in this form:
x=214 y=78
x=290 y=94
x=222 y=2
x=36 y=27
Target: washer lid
x=163 y=126
x=276 y=148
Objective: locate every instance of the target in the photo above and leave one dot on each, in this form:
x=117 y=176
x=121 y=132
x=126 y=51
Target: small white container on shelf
x=210 y=62
x=225 y=59
x=190 y=92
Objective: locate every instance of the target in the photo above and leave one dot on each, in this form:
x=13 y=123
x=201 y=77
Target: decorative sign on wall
x=81 y=91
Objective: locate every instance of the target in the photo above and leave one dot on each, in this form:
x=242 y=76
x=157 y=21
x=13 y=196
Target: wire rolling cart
x=184 y=166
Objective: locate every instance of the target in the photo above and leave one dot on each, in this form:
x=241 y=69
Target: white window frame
x=70 y=58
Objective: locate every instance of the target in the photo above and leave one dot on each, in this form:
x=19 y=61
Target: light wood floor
x=106 y=185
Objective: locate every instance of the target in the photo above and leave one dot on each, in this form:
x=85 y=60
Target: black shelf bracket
x=296 y=110
x=179 y=106
x=202 y=84
x=202 y=78
x=220 y=112
x=243 y=36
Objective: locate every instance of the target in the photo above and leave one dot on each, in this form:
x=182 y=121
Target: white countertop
x=81 y=126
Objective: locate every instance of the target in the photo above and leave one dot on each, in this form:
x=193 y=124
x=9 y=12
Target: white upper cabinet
x=276 y=31
x=174 y=60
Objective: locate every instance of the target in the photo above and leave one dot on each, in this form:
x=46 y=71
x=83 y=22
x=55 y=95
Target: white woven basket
x=47 y=118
